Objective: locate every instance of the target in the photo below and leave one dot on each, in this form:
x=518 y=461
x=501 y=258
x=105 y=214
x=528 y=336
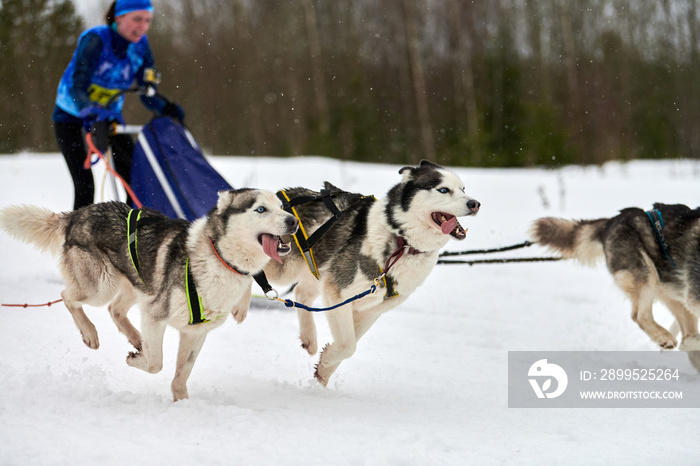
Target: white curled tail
x=34 y=225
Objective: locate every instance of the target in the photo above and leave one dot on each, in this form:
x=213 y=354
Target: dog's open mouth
x=449 y=225
x=274 y=246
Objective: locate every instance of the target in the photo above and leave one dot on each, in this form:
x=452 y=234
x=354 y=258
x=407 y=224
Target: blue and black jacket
x=103 y=64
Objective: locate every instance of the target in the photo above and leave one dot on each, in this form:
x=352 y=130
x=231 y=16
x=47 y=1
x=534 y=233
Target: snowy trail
x=428 y=384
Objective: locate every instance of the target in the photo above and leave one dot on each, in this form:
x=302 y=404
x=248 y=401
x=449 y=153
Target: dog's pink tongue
x=269 y=244
x=448 y=225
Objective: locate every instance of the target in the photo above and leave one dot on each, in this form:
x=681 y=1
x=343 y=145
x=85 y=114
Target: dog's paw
x=661 y=337
x=239 y=314
x=667 y=343
x=136 y=359
x=179 y=392
x=90 y=338
x=140 y=361
x=321 y=379
x=322 y=373
x=135 y=341
x=309 y=345
x=691 y=343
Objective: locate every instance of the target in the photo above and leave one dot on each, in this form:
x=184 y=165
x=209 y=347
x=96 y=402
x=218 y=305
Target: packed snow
x=427 y=385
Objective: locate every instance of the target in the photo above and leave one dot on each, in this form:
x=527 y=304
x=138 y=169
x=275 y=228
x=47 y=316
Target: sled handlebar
x=151 y=77
x=126 y=129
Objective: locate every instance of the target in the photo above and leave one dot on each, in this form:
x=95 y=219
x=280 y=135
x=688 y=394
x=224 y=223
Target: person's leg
x=123 y=151
x=71 y=143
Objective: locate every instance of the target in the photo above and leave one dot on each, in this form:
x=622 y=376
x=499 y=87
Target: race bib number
x=101 y=95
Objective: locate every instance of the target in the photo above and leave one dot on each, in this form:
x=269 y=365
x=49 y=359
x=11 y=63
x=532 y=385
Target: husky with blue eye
x=402 y=232
x=190 y=276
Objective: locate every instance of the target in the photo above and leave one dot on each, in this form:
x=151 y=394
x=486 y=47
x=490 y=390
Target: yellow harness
x=300 y=237
x=305 y=242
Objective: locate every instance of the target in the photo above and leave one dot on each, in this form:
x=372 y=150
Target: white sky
x=92 y=11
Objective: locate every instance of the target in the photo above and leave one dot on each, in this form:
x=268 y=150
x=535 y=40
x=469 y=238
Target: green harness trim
x=194 y=301
x=132 y=239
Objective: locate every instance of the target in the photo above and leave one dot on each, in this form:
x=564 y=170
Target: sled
x=169 y=172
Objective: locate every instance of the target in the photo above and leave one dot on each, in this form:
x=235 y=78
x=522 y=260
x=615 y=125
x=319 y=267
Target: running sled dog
x=400 y=235
x=186 y=275
x=651 y=255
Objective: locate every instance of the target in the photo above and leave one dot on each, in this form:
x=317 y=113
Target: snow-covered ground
x=427 y=385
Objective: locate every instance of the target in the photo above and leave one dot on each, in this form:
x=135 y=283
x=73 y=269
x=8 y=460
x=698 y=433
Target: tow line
x=524 y=244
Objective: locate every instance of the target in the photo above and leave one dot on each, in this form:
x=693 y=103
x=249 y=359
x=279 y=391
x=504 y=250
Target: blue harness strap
x=290 y=303
x=657 y=223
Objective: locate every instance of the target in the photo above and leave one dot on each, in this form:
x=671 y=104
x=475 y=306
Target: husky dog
x=646 y=266
x=416 y=219
x=187 y=275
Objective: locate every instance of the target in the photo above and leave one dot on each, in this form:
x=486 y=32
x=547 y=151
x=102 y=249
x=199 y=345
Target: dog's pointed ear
x=330 y=186
x=423 y=164
x=225 y=197
x=428 y=164
x=407 y=173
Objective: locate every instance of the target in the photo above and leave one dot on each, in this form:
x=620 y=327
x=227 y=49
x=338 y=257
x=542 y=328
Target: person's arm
x=156 y=103
x=88 y=57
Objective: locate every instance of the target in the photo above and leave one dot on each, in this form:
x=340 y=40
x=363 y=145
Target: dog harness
x=657 y=223
x=402 y=247
x=194 y=301
x=388 y=283
x=305 y=242
x=133 y=222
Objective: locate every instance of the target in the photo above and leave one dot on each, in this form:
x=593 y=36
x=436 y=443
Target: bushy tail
x=573 y=239
x=37 y=226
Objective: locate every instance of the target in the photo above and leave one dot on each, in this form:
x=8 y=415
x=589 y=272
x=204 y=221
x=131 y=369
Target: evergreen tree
x=37 y=38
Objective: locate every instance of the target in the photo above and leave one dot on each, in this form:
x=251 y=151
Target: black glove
x=174 y=111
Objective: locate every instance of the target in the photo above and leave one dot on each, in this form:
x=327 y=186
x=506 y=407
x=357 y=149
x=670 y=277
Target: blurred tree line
x=460 y=82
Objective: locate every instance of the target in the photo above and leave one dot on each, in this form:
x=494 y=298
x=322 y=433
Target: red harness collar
x=396 y=255
x=401 y=242
x=226 y=264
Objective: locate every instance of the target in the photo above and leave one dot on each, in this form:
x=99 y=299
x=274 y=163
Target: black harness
x=194 y=301
x=305 y=242
x=133 y=223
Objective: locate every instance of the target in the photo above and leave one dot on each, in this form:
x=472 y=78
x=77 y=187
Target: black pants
x=72 y=144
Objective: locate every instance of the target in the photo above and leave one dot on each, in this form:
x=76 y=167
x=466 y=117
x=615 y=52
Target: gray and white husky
x=217 y=254
x=418 y=217
x=643 y=268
